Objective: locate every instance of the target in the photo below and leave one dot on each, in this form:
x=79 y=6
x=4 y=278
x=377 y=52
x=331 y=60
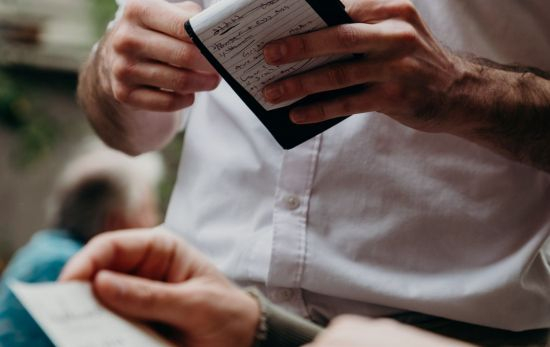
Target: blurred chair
x=100 y=190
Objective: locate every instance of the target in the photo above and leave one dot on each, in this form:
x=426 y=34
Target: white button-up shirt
x=372 y=217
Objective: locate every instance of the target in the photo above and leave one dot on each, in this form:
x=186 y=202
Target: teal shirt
x=41 y=260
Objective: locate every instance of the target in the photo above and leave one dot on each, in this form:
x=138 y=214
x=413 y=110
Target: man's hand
x=352 y=331
x=144 y=70
x=149 y=62
x=406 y=74
x=404 y=71
x=154 y=276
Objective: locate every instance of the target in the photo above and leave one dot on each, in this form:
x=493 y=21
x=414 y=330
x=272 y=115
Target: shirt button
x=292 y=202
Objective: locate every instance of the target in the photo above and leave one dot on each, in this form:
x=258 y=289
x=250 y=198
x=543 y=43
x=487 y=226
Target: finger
x=171 y=51
x=331 y=77
x=152 y=99
x=364 y=101
x=119 y=251
x=98 y=254
x=386 y=38
x=379 y=10
x=150 y=45
x=162 y=16
x=157 y=261
x=140 y=298
x=150 y=74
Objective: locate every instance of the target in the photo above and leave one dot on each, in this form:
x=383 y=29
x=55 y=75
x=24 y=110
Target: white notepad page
x=71 y=317
x=235 y=32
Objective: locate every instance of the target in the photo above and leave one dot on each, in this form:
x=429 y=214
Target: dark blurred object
x=51 y=34
x=8 y=97
x=20 y=29
x=34 y=131
x=11 y=104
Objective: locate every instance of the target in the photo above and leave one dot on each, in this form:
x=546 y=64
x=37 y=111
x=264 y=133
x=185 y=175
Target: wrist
x=254 y=320
x=100 y=61
x=100 y=108
x=260 y=327
x=278 y=327
x=466 y=101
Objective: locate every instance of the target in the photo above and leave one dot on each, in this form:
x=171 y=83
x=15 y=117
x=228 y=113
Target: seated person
x=100 y=190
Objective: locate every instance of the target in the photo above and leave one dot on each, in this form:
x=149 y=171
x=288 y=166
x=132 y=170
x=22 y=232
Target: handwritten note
x=235 y=32
x=71 y=316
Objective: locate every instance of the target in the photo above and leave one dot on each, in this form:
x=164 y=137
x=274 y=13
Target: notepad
x=71 y=317
x=231 y=34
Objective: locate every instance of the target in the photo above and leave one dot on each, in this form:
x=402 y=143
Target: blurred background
x=42 y=45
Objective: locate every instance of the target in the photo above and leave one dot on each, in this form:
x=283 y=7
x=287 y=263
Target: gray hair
x=100 y=181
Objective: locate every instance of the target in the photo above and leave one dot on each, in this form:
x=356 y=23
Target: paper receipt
x=72 y=317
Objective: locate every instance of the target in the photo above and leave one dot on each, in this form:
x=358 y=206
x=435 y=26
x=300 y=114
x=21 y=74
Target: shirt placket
x=289 y=248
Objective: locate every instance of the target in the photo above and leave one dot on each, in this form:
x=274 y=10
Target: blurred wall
x=42 y=44
x=29 y=165
x=51 y=33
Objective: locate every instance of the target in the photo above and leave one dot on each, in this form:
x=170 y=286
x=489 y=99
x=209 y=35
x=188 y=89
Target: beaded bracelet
x=261 y=330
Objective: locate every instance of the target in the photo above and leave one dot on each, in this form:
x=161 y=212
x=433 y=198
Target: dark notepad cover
x=277 y=121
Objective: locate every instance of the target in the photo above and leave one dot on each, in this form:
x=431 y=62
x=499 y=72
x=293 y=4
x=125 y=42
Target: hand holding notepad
x=232 y=33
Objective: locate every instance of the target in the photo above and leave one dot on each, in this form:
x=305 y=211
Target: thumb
x=139 y=298
x=192 y=8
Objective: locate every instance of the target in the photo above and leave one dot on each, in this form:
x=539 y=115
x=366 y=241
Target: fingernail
x=274 y=53
x=298 y=118
x=273 y=93
x=214 y=81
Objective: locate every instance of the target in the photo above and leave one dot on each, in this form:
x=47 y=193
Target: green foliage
x=11 y=104
x=103 y=11
x=6 y=249
x=35 y=133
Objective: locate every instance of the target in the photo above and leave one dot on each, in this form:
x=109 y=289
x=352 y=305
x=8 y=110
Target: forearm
x=504 y=108
x=120 y=126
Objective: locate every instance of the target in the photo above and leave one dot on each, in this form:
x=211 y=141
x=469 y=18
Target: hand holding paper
x=156 y=277
x=71 y=317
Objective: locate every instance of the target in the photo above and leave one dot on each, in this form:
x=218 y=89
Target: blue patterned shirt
x=41 y=260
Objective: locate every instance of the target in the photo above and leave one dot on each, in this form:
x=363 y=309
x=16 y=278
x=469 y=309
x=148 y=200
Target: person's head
x=102 y=190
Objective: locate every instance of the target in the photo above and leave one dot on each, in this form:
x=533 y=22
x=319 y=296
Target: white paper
x=71 y=316
x=235 y=32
